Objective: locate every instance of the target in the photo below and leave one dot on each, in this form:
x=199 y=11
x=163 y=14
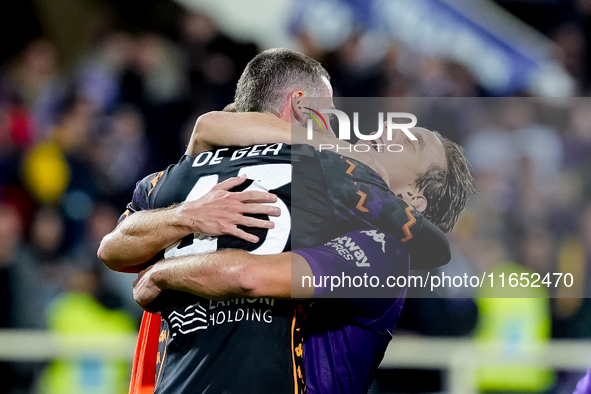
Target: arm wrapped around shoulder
x=358 y=192
x=429 y=248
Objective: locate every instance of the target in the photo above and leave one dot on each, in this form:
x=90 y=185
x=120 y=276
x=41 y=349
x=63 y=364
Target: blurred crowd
x=74 y=141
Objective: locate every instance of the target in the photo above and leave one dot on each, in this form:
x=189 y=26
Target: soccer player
x=243 y=340
x=344 y=339
x=218 y=318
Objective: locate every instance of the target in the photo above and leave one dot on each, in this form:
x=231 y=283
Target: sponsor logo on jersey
x=346 y=247
x=377 y=237
x=196 y=317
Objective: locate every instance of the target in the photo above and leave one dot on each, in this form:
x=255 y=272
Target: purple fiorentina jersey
x=345 y=339
x=256 y=345
x=584 y=385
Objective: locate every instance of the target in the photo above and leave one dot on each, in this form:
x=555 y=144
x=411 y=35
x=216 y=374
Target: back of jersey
x=254 y=345
x=240 y=345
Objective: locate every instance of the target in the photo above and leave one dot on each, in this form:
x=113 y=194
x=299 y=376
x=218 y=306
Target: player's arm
x=143 y=234
x=230 y=274
x=223 y=275
x=357 y=189
x=217 y=129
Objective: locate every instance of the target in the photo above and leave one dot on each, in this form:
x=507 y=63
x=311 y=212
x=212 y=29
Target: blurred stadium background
x=95 y=94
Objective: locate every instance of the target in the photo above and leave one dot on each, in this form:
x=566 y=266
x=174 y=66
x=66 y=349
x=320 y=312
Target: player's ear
x=415 y=198
x=419 y=202
x=297 y=102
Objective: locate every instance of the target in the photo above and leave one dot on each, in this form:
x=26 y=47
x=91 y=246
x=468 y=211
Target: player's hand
x=220 y=211
x=145 y=290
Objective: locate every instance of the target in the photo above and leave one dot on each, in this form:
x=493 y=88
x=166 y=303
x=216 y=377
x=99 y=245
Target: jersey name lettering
x=213 y=158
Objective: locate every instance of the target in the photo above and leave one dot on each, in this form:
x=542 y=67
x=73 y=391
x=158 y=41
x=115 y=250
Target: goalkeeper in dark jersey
x=262 y=376
x=236 y=330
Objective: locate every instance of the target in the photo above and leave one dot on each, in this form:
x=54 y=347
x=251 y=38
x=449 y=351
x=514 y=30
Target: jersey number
x=266 y=177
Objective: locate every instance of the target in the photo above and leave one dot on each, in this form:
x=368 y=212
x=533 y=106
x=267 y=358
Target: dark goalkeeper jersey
x=254 y=345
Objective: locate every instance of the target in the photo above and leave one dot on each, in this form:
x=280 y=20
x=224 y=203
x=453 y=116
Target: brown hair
x=230 y=108
x=271 y=75
x=447 y=191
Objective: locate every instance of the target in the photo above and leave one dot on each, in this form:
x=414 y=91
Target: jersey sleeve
x=140 y=200
x=357 y=265
x=584 y=385
x=359 y=191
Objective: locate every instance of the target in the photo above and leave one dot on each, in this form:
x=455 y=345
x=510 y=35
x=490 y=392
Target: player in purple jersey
x=347 y=365
x=350 y=303
x=344 y=339
x=334 y=182
x=584 y=385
